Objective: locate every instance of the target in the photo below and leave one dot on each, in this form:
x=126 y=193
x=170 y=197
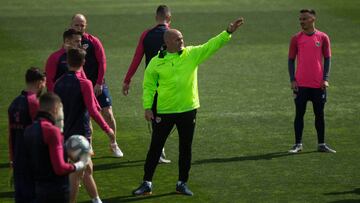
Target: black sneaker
x=144 y=189
x=182 y=188
x=325 y=148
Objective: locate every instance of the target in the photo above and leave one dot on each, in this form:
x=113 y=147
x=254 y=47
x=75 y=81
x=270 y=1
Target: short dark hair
x=311 y=11
x=162 y=11
x=48 y=101
x=68 y=34
x=34 y=74
x=76 y=57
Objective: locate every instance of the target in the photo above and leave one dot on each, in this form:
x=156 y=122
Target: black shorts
x=304 y=94
x=104 y=98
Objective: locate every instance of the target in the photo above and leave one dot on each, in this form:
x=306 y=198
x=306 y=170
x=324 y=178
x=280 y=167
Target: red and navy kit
x=95 y=60
x=149 y=44
x=95 y=67
x=78 y=99
x=21 y=113
x=56 y=66
x=45 y=159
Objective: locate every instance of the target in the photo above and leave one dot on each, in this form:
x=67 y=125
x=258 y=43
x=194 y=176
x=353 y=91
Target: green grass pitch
x=245 y=121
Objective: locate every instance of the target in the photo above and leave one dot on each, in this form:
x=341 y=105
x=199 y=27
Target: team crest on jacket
x=85 y=46
x=158 y=119
x=317 y=43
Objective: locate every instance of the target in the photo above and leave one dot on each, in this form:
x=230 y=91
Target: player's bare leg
x=74 y=185
x=90 y=184
x=108 y=115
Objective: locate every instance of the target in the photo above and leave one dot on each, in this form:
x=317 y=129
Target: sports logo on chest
x=317 y=43
x=85 y=46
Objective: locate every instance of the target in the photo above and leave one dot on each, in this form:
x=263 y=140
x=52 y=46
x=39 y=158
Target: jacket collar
x=45 y=115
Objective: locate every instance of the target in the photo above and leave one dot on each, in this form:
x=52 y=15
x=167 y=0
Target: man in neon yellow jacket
x=173 y=74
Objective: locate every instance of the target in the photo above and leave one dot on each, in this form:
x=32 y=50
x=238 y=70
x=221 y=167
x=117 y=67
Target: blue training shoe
x=182 y=188
x=144 y=189
x=325 y=148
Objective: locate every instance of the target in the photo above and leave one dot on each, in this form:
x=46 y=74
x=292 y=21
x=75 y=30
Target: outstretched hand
x=235 y=25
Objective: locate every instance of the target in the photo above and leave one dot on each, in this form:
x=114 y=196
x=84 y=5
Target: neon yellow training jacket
x=176 y=76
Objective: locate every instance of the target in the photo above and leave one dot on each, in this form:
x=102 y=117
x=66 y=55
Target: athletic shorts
x=304 y=94
x=104 y=98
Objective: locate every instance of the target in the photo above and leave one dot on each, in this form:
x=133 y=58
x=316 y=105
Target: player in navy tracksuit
x=21 y=114
x=95 y=68
x=45 y=155
x=77 y=96
x=150 y=43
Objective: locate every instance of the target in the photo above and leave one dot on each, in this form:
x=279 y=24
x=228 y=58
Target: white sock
x=96 y=200
x=321 y=144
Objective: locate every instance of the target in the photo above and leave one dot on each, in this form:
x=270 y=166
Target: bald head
x=78 y=16
x=78 y=22
x=171 y=33
x=173 y=40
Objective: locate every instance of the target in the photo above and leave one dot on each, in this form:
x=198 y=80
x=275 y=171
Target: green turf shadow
x=126 y=164
x=131 y=198
x=355 y=191
x=7 y=194
x=268 y=156
x=346 y=201
x=4 y=165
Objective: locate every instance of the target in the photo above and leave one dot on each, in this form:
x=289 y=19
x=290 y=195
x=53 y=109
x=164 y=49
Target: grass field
x=245 y=122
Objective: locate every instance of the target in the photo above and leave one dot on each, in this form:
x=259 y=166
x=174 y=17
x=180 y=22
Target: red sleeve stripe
x=51 y=68
x=139 y=53
x=90 y=102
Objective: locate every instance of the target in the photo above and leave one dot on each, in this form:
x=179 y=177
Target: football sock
x=96 y=200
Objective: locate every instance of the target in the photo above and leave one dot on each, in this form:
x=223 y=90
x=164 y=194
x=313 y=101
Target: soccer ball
x=76 y=146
